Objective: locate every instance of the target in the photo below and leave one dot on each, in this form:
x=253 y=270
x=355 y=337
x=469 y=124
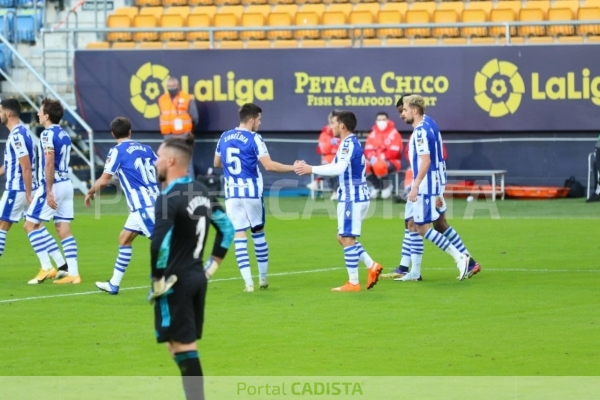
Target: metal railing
x=89 y=161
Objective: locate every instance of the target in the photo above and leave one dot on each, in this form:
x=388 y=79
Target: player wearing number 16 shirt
x=134 y=164
x=239 y=150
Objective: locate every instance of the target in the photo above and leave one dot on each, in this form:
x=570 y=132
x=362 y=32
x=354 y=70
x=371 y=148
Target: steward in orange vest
x=178 y=112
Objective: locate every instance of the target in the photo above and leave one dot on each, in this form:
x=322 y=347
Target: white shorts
x=40 y=211
x=245 y=213
x=409 y=210
x=444 y=207
x=350 y=216
x=424 y=209
x=141 y=221
x=12 y=206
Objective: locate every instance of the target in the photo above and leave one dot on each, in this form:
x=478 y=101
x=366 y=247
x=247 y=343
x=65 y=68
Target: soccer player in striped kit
x=53 y=197
x=134 y=164
x=238 y=152
x=353 y=198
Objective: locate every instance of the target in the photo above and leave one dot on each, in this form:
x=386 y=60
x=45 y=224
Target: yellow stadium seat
x=279 y=19
x=371 y=43
x=417 y=17
x=123 y=46
x=514 y=5
x=259 y=9
x=172 y=21
x=148 y=3
x=307 y=19
x=397 y=42
x=156 y=11
x=285 y=44
x=593 y=39
x=588 y=14
x=570 y=39
x=235 y=10
x=171 y=3
x=118 y=21
x=389 y=17
x=318 y=9
x=291 y=9
x=184 y=11
x=454 y=41
x=97 y=46
x=362 y=18
x=253 y=20
x=541 y=40
x=573 y=5
x=334 y=18
x=514 y=40
x=445 y=17
x=145 y=21
x=402 y=8
x=425 y=42
x=129 y=11
x=201 y=45
x=560 y=14
x=258 y=44
x=340 y=43
x=278 y=2
x=474 y=16
x=313 y=43
x=195 y=3
x=198 y=21
x=373 y=8
x=457 y=6
x=227 y=2
x=150 y=46
x=177 y=45
x=343 y=8
x=230 y=44
x=428 y=6
x=254 y=2
x=531 y=15
x=502 y=15
x=485 y=6
x=483 y=41
x=206 y=10
x=226 y=20
x=590 y=3
x=543 y=5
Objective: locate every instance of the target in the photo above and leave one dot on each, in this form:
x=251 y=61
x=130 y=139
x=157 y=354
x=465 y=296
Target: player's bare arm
x=25 y=164
x=423 y=168
x=274 y=166
x=98 y=186
x=49 y=171
x=217 y=163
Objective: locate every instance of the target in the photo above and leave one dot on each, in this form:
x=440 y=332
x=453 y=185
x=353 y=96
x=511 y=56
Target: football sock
x=70 y=248
x=363 y=255
x=416 y=253
x=454 y=238
x=191 y=372
x=241 y=255
x=440 y=241
x=121 y=264
x=406 y=247
x=2 y=241
x=262 y=253
x=52 y=247
x=351 y=259
x=36 y=238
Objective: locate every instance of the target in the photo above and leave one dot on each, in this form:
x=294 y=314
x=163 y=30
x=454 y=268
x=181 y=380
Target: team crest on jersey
x=18 y=144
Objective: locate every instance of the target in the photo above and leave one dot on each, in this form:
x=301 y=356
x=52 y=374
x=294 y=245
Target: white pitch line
x=308 y=272
x=148 y=287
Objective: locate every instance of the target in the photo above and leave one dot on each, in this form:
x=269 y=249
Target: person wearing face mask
x=383 y=152
x=327 y=148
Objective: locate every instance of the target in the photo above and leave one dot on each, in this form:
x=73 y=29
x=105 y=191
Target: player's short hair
x=184 y=145
x=382 y=113
x=400 y=101
x=249 y=110
x=347 y=118
x=417 y=102
x=120 y=127
x=11 y=105
x=54 y=109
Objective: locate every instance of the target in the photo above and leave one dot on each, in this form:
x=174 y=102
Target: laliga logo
x=499 y=88
x=145 y=87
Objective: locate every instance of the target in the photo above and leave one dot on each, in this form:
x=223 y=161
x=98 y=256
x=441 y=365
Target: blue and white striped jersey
x=135 y=165
x=424 y=141
x=19 y=144
x=440 y=153
x=240 y=150
x=353 y=181
x=55 y=139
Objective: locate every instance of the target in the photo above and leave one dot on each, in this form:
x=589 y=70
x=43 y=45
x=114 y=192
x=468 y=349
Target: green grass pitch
x=532 y=311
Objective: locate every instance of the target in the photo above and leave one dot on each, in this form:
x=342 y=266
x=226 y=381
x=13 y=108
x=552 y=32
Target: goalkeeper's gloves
x=160 y=286
x=210 y=267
